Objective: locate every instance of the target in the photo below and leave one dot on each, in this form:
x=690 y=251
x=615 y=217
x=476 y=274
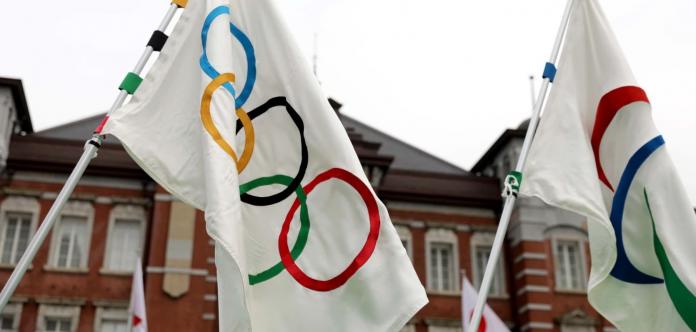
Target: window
x=72 y=242
x=442 y=258
x=111 y=319
x=19 y=216
x=441 y=266
x=408 y=328
x=57 y=324
x=124 y=244
x=114 y=325
x=125 y=238
x=406 y=239
x=9 y=319
x=58 y=318
x=71 y=237
x=481 y=244
x=482 y=254
x=15 y=236
x=569 y=265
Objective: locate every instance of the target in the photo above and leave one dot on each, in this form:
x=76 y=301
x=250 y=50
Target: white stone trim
x=56 y=310
x=610 y=329
x=211 y=279
x=530 y=256
x=177 y=270
x=533 y=289
x=210 y=297
x=485 y=239
x=72 y=208
x=13 y=309
x=536 y=325
x=405 y=236
x=443 y=236
x=109 y=312
x=208 y=316
x=164 y=198
x=129 y=212
x=531 y=272
x=18 y=204
x=535 y=307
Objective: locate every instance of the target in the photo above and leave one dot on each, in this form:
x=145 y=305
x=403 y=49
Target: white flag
x=232 y=121
x=598 y=153
x=490 y=322
x=138 y=315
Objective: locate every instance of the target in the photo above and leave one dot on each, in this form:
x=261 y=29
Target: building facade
x=446 y=217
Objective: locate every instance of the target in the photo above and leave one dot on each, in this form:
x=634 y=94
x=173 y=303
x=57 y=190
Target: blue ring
x=623 y=268
x=248 y=50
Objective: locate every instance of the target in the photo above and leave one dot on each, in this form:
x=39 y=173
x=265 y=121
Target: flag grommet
x=511 y=185
x=130 y=83
x=157 y=40
x=180 y=3
x=549 y=71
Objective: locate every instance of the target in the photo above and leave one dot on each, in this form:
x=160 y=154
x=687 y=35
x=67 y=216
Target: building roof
x=17 y=89
x=499 y=144
x=406 y=156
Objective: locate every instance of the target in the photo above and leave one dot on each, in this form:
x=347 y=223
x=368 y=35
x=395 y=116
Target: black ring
x=297 y=180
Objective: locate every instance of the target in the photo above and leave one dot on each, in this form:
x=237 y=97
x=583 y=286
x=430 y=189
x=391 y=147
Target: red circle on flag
x=362 y=256
x=482 y=323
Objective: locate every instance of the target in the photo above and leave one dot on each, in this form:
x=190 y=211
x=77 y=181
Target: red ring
x=364 y=254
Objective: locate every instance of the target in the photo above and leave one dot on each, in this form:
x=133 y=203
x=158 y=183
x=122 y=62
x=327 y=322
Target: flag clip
x=511 y=185
x=549 y=71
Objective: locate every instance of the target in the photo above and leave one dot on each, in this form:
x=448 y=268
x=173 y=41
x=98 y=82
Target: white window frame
x=14 y=310
x=406 y=236
x=438 y=328
x=129 y=212
x=76 y=209
x=71 y=312
x=18 y=204
x=485 y=239
x=578 y=237
x=109 y=312
x=440 y=235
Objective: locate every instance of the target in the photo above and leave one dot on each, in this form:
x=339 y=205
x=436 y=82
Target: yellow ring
x=210 y=127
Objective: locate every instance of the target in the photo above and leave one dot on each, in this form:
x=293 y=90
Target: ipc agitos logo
x=293 y=184
x=610 y=104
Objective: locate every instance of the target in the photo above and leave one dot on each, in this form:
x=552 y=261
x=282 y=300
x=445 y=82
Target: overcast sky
x=447 y=76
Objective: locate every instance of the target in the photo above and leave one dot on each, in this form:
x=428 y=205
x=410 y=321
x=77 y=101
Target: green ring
x=304 y=224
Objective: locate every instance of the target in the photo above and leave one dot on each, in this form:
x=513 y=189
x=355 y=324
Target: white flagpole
x=90 y=151
x=513 y=180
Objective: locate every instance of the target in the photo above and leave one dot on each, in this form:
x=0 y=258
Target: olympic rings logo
x=292 y=185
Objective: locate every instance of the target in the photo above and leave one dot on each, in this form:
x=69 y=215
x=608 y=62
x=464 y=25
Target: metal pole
x=90 y=151
x=510 y=200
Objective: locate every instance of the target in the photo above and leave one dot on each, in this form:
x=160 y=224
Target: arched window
x=19 y=218
x=124 y=243
x=442 y=256
x=481 y=244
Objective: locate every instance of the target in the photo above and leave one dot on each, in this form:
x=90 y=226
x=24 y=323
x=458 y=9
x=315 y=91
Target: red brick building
x=445 y=215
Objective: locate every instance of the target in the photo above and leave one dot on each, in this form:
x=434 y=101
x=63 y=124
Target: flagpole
x=514 y=179
x=90 y=152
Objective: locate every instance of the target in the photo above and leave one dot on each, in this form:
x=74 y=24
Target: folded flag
x=138 y=319
x=231 y=120
x=490 y=322
x=597 y=152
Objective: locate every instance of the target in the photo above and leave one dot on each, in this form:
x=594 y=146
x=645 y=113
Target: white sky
x=447 y=76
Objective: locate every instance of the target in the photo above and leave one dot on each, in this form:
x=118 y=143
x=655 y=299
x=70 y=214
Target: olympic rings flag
x=597 y=153
x=231 y=120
